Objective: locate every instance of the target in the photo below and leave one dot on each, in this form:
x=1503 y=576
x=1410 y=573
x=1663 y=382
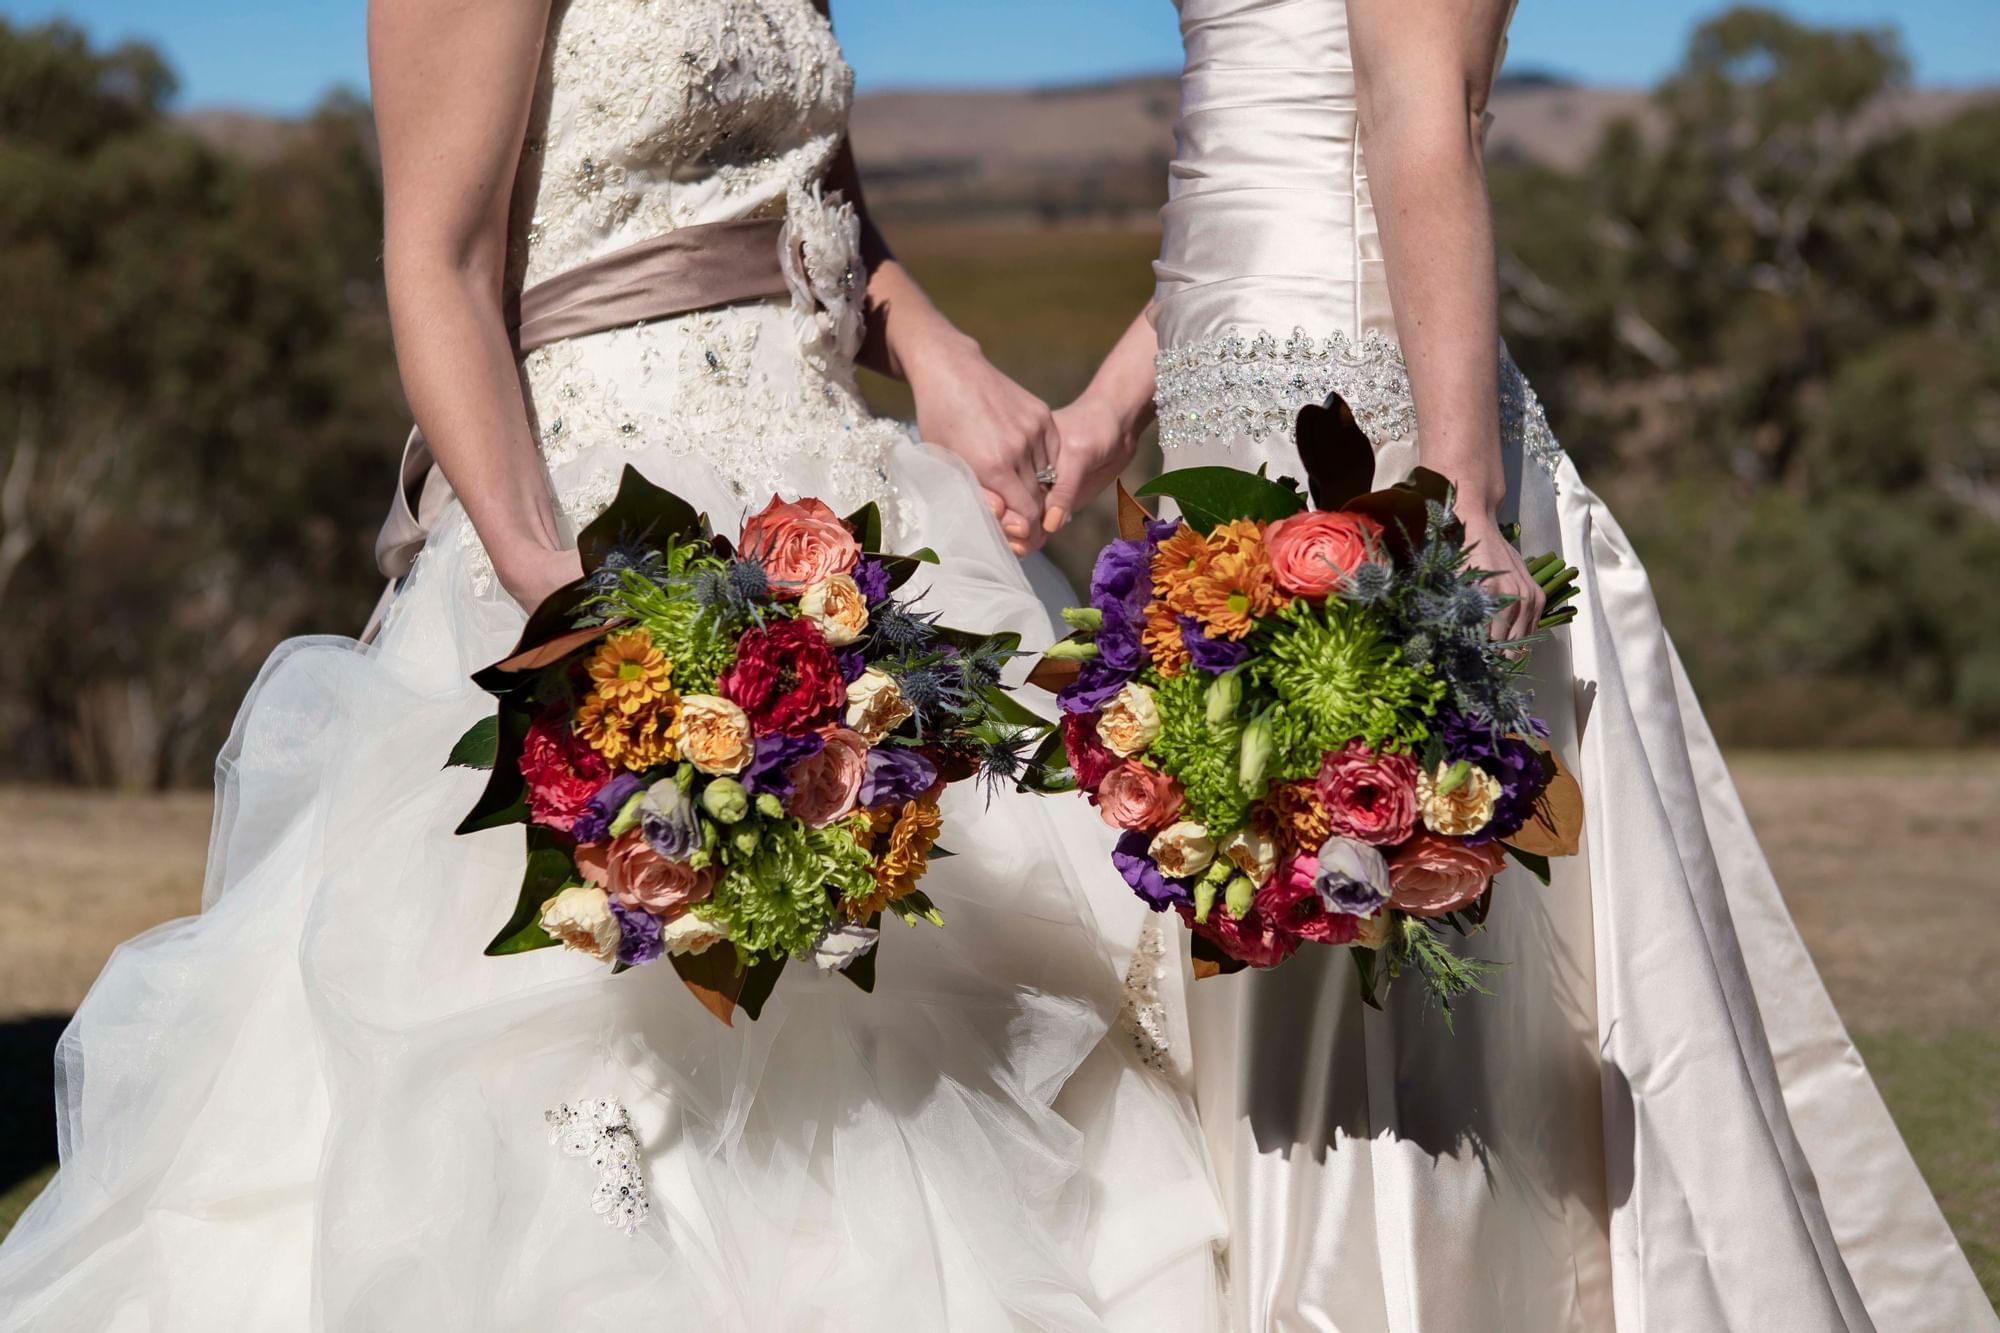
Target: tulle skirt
x=319 y=1106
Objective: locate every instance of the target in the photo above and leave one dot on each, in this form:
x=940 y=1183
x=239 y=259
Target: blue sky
x=280 y=55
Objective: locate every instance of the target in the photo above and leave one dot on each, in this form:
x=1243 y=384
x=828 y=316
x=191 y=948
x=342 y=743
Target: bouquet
x=1301 y=725
x=729 y=755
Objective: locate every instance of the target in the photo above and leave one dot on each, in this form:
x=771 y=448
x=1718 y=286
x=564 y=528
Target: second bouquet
x=729 y=755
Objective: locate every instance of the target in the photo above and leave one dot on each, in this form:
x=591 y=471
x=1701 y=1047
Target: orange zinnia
x=1162 y=637
x=903 y=862
x=628 y=672
x=634 y=738
x=1234 y=591
x=1301 y=818
x=1177 y=560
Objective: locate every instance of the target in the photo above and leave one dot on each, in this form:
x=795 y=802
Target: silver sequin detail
x=1142 y=1017
x=1233 y=389
x=600 y=1130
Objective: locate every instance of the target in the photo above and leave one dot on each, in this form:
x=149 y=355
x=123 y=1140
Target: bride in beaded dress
x=317 y=1105
x=1657 y=1122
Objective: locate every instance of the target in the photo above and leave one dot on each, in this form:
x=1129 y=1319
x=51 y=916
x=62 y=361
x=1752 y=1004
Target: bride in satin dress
x=317 y=1105
x=1658 y=1121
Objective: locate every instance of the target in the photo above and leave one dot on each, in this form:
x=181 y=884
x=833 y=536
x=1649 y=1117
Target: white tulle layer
x=317 y=1105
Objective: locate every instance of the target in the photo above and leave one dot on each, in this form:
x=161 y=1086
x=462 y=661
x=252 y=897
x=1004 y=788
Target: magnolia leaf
x=1403 y=510
x=478 y=746
x=549 y=870
x=1366 y=969
x=1532 y=862
x=862 y=970
x=1339 y=460
x=1556 y=827
x=1210 y=960
x=714 y=979
x=758 y=983
x=505 y=798
x=1054 y=673
x=549 y=652
x=900 y=569
x=866 y=525
x=938 y=853
x=1005 y=707
x=640 y=512
x=555 y=618
x=1210 y=496
x=1132 y=516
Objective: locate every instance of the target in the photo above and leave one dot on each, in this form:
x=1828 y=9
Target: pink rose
x=640 y=877
x=1430 y=875
x=1368 y=797
x=798 y=545
x=1293 y=904
x=1312 y=552
x=1254 y=938
x=826 y=785
x=1133 y=796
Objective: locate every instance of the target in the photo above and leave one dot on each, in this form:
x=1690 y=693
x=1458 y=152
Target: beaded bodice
x=657 y=114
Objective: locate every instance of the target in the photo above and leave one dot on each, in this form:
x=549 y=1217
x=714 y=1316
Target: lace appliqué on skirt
x=600 y=1130
x=1142 y=1017
x=1232 y=388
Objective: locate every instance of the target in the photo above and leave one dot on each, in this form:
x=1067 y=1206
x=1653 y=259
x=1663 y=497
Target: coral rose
x=640 y=877
x=1369 y=797
x=826 y=786
x=797 y=545
x=716 y=735
x=1311 y=553
x=1431 y=875
x=1133 y=796
x=785 y=677
x=1130 y=722
x=1464 y=809
x=836 y=605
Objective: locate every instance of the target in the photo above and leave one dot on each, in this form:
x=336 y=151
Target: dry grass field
x=1888 y=860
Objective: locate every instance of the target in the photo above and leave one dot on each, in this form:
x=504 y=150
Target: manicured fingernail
x=1054 y=519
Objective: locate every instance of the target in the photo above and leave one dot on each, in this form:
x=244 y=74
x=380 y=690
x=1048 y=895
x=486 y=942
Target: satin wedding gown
x=1657 y=1122
x=318 y=1106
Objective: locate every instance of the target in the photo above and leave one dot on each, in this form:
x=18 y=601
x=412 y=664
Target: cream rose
x=580 y=918
x=875 y=705
x=1130 y=722
x=715 y=734
x=1464 y=809
x=688 y=933
x=1376 y=930
x=1253 y=854
x=836 y=605
x=1182 y=849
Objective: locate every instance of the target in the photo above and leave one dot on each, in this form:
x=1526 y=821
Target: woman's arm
x=1100 y=430
x=1424 y=70
x=452 y=83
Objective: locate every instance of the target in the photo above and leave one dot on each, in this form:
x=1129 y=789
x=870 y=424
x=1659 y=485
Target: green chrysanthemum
x=699 y=649
x=1336 y=678
x=774 y=901
x=1201 y=756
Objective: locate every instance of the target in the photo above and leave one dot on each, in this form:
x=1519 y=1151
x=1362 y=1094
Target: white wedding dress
x=319 y=1106
x=1658 y=1122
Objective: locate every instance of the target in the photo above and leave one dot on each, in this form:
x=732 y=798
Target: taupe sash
x=693 y=268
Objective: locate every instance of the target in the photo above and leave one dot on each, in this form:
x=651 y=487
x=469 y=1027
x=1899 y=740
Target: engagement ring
x=1046 y=476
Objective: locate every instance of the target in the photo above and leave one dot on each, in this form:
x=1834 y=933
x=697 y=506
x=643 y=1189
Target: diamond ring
x=1046 y=476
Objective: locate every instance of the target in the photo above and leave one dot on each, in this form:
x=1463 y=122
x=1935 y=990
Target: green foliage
x=1203 y=756
x=1766 y=328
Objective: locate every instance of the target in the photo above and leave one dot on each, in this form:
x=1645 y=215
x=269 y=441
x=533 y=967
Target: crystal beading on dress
x=653 y=117
x=1230 y=388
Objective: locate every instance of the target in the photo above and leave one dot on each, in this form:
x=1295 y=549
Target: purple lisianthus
x=852 y=662
x=638 y=935
x=1211 y=654
x=871 y=577
x=770 y=768
x=1122 y=579
x=1513 y=762
x=669 y=822
x=1118 y=644
x=895 y=774
x=1094 y=687
x=1159 y=529
x=1353 y=877
x=594 y=824
x=1143 y=873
